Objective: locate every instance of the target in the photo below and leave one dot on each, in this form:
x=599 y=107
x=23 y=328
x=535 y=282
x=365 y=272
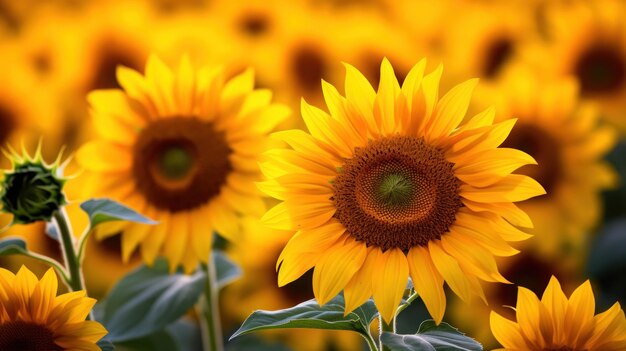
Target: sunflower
x=474 y=318
x=33 y=318
x=586 y=40
x=257 y=290
x=485 y=38
x=566 y=139
x=556 y=323
x=388 y=184
x=180 y=147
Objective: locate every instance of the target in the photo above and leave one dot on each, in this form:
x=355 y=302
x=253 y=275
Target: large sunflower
x=181 y=148
x=556 y=323
x=388 y=184
x=566 y=139
x=34 y=318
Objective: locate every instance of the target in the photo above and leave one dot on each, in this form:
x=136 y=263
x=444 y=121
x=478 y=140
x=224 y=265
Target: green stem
x=76 y=281
x=210 y=320
x=413 y=295
x=370 y=342
x=384 y=327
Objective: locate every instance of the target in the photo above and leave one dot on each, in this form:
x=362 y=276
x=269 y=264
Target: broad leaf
x=149 y=299
x=106 y=210
x=431 y=337
x=12 y=245
x=159 y=341
x=311 y=315
x=226 y=270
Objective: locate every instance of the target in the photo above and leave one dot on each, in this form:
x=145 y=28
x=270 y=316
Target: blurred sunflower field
x=312 y=175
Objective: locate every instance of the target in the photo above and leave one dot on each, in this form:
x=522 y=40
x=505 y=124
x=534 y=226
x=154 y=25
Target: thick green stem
x=384 y=327
x=210 y=320
x=72 y=263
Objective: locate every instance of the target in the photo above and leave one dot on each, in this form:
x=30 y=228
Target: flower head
x=33 y=318
x=181 y=147
x=32 y=190
x=558 y=323
x=390 y=184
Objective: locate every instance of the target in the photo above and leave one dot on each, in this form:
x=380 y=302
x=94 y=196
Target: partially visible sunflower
x=586 y=40
x=566 y=139
x=257 y=289
x=34 y=318
x=473 y=318
x=558 y=323
x=390 y=184
x=182 y=148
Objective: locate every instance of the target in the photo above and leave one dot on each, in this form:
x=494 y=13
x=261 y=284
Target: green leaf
x=106 y=345
x=159 y=341
x=311 y=315
x=149 y=299
x=106 y=210
x=226 y=270
x=431 y=337
x=12 y=246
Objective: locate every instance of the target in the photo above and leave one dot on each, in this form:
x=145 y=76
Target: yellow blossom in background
x=558 y=323
x=181 y=147
x=585 y=39
x=568 y=141
x=390 y=183
x=33 y=317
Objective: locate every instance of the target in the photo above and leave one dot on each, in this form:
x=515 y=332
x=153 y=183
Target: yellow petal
x=102 y=156
x=579 y=314
x=336 y=268
x=390 y=276
x=475 y=260
x=506 y=332
x=451 y=109
x=359 y=288
x=450 y=270
x=427 y=282
x=512 y=188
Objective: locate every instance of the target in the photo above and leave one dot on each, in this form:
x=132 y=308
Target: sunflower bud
x=33 y=190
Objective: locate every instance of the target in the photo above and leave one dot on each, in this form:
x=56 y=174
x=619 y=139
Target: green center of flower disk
x=396 y=192
x=26 y=336
x=175 y=162
x=395 y=189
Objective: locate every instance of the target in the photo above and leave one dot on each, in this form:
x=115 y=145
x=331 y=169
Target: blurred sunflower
x=180 y=147
x=33 y=318
x=484 y=39
x=388 y=184
x=473 y=318
x=567 y=142
x=556 y=323
x=586 y=40
x=258 y=290
x=295 y=61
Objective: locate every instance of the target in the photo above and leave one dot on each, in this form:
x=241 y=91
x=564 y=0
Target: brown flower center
x=181 y=163
x=308 y=66
x=543 y=148
x=397 y=192
x=497 y=54
x=601 y=69
x=254 y=24
x=518 y=273
x=26 y=336
x=112 y=55
x=7 y=123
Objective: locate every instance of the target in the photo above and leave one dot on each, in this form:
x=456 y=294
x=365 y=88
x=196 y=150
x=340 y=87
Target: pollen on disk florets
x=32 y=190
